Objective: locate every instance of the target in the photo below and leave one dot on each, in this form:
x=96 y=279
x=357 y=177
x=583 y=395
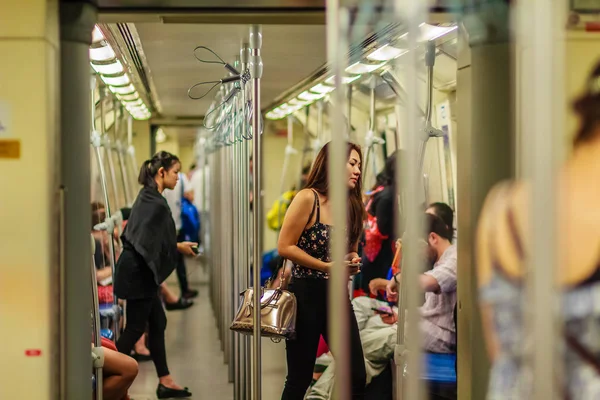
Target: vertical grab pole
x=541 y=21
x=408 y=350
x=98 y=350
x=236 y=245
x=338 y=317
x=256 y=69
x=108 y=149
x=223 y=257
x=317 y=143
x=132 y=161
x=246 y=392
x=97 y=143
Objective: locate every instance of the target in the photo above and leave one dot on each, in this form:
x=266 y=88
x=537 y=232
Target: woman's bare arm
x=294 y=223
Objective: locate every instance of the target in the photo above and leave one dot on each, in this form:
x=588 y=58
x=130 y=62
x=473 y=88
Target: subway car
x=301 y=199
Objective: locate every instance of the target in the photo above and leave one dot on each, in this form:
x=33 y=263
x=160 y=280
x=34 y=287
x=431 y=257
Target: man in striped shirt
x=379 y=331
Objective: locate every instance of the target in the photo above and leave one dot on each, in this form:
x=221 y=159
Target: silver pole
x=237 y=246
x=338 y=317
x=245 y=225
x=408 y=350
x=349 y=93
x=96 y=143
x=223 y=256
x=132 y=160
x=230 y=299
x=98 y=351
x=370 y=141
x=540 y=157
x=108 y=147
x=256 y=68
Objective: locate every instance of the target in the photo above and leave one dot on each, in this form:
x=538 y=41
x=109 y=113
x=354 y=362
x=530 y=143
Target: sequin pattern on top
x=315 y=242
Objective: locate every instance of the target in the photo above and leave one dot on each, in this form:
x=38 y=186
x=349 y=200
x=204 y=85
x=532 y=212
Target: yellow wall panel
x=28 y=205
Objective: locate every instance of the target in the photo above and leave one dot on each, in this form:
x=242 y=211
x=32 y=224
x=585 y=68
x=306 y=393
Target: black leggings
x=142 y=312
x=311 y=322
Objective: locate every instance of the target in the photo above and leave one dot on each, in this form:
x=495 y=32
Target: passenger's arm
x=428 y=283
x=102 y=274
x=442 y=278
x=294 y=223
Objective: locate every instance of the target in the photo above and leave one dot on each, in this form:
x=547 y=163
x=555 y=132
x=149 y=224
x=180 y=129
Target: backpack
x=190 y=219
x=278 y=210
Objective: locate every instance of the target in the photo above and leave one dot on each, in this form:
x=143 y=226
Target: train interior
x=157 y=85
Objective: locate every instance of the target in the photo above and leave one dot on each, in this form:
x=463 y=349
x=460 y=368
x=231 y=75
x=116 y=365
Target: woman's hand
x=353 y=256
x=185 y=248
x=391 y=290
x=353 y=266
x=389 y=319
x=377 y=284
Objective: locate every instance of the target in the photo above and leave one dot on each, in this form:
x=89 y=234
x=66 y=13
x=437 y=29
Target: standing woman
x=149 y=256
x=305 y=240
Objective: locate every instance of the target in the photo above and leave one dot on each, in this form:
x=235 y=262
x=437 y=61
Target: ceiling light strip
x=106 y=64
x=376 y=59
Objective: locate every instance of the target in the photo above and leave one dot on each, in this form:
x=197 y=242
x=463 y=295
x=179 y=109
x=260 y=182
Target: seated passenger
x=378 y=333
x=102 y=255
x=118 y=372
x=378 y=249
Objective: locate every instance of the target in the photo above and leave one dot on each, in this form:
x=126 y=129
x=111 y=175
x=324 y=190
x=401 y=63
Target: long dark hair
x=587 y=108
x=150 y=167
x=318 y=179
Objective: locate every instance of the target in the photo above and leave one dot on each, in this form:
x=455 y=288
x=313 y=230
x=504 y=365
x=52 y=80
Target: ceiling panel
x=290 y=54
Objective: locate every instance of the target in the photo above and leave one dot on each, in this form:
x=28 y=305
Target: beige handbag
x=277 y=313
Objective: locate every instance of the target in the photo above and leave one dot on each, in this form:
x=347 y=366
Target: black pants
x=140 y=313
x=181 y=270
x=311 y=323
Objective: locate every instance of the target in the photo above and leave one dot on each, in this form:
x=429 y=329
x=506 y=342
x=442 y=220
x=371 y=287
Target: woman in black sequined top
x=305 y=240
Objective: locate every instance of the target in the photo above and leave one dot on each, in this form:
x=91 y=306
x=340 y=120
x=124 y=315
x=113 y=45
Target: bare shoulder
x=305 y=196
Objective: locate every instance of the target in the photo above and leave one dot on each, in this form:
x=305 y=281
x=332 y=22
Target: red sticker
x=33 y=352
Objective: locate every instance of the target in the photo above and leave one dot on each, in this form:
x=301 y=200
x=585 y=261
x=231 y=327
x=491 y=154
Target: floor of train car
x=194 y=352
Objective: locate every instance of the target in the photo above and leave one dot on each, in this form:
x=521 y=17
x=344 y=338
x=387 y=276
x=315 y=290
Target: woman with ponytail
x=149 y=256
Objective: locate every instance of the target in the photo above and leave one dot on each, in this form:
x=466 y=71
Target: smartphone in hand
x=383 y=311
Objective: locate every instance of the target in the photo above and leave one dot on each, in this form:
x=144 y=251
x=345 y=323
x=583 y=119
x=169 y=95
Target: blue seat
x=439 y=368
x=265 y=271
x=107 y=334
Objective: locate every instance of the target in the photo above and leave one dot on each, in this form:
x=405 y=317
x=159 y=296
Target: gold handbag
x=277 y=313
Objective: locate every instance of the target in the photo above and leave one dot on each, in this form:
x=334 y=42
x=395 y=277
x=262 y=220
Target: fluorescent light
x=295 y=102
x=103 y=53
x=308 y=96
x=108 y=69
x=345 y=79
x=133 y=103
x=321 y=88
x=141 y=116
x=161 y=137
x=128 y=97
x=432 y=32
x=121 y=80
x=386 y=53
x=122 y=90
x=360 y=68
x=97 y=35
x=136 y=108
x=272 y=115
